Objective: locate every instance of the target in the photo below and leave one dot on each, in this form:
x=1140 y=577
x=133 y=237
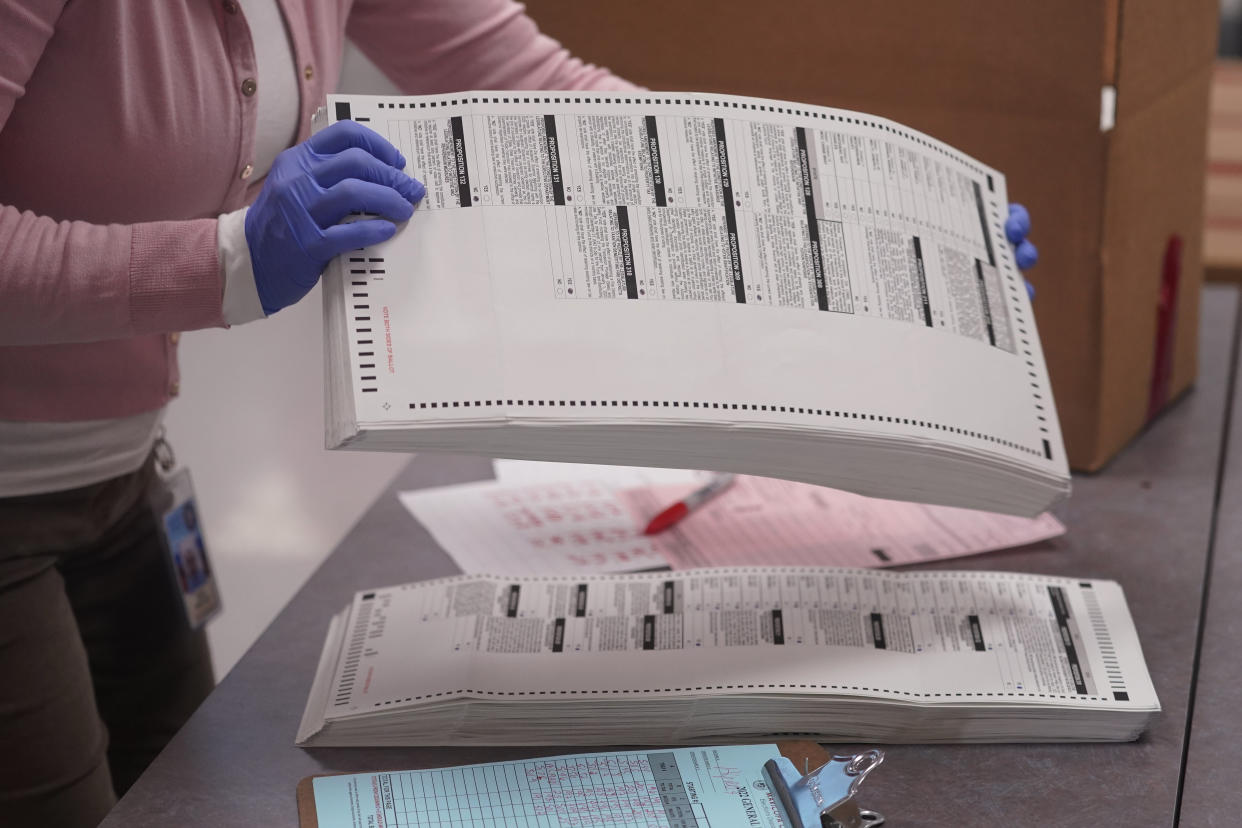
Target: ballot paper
x=677 y=788
x=614 y=477
x=762 y=520
x=694 y=280
x=594 y=524
x=732 y=654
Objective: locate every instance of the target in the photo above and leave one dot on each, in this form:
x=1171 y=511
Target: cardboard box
x=1019 y=85
x=1222 y=220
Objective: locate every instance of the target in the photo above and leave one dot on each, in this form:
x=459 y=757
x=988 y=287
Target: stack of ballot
x=695 y=281
x=738 y=654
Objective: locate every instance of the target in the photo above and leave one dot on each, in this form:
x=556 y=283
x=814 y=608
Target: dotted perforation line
x=741 y=687
x=811 y=112
x=1016 y=291
x=796 y=733
x=774 y=409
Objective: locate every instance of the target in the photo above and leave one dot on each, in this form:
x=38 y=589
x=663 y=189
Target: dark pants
x=98 y=668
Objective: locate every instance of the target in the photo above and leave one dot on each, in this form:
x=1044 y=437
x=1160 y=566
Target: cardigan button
x=174 y=337
x=247 y=171
x=248 y=87
x=174 y=388
x=230 y=6
x=308 y=72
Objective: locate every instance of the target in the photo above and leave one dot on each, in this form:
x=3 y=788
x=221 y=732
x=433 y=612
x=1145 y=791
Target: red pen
x=678 y=511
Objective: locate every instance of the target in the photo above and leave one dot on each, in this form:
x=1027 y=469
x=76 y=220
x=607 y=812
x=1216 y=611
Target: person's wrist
x=240 y=299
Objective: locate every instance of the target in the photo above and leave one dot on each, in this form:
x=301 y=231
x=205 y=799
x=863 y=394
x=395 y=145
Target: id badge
x=177 y=514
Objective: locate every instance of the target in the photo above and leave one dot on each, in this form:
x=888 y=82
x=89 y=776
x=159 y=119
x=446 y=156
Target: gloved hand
x=1016 y=227
x=292 y=228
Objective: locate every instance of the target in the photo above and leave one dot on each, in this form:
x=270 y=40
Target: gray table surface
x=1212 y=795
x=1146 y=521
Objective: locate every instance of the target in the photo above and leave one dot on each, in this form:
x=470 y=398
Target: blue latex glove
x=292 y=228
x=1016 y=227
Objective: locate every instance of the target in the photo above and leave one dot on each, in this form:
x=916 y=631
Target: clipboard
x=807 y=760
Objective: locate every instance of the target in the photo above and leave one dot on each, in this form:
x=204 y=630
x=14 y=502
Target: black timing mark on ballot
x=648 y=632
x=877 y=631
x=342 y=111
x=657 y=168
x=920 y=281
x=554 y=159
x=463 y=168
x=983 y=223
x=670 y=597
x=581 y=603
x=812 y=224
x=726 y=185
x=558 y=635
x=353 y=656
x=515 y=594
x=976 y=633
x=984 y=305
x=778 y=627
x=627 y=252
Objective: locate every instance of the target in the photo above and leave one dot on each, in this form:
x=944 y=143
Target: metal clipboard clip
x=824 y=797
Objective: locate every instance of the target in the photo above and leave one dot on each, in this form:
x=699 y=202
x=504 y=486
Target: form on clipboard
x=791 y=785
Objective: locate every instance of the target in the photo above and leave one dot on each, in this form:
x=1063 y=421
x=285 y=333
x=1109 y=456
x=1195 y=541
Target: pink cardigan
x=125 y=129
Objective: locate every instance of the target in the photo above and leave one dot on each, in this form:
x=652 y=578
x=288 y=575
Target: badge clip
x=825 y=797
x=164 y=457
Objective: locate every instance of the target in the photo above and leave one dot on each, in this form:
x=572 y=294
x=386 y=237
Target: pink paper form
x=760 y=520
